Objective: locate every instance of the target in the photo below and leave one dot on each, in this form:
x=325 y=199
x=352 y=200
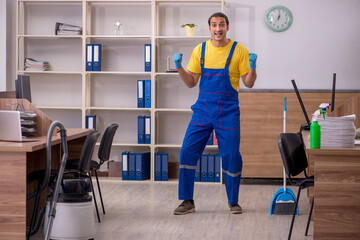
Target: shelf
x=128 y=145
x=49 y=36
x=50 y=1
x=183 y=37
x=59 y=108
x=118 y=36
x=111 y=94
x=51 y=72
x=119 y=108
x=118 y=72
x=166 y=74
x=173 y=110
x=119 y=1
x=179 y=146
x=167 y=146
x=211 y=147
x=189 y=1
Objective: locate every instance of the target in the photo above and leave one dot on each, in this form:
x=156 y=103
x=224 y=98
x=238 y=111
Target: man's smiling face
x=218 y=28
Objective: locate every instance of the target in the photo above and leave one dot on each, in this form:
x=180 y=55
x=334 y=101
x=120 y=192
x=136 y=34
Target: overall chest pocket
x=229 y=115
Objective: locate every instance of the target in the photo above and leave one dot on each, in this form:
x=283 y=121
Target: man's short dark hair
x=219 y=14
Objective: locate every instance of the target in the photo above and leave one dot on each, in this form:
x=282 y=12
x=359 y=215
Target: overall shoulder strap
x=231 y=53
x=202 y=54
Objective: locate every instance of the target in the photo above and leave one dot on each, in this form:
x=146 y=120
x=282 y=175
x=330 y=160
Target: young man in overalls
x=220 y=62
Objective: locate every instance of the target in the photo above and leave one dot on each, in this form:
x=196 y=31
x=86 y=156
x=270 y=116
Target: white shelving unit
x=67 y=92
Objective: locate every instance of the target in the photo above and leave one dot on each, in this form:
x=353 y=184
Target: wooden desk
x=337 y=191
x=18 y=159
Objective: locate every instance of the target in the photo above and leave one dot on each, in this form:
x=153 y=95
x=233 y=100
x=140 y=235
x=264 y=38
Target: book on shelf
x=67 y=32
x=90 y=122
x=208 y=168
x=210 y=140
x=67 y=29
x=34 y=65
x=93 y=57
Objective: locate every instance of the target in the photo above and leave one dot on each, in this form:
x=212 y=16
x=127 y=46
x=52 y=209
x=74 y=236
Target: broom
x=284 y=201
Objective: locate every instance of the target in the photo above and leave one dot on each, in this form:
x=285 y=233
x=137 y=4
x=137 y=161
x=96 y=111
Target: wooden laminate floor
x=144 y=210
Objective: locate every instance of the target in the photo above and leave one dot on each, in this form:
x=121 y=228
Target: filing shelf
x=90 y=15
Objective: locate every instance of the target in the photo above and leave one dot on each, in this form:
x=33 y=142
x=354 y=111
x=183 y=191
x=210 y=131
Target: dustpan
x=284 y=200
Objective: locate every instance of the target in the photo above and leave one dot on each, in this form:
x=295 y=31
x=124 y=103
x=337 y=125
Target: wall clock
x=278 y=18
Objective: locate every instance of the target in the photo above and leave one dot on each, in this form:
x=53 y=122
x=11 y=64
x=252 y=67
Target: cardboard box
x=115 y=169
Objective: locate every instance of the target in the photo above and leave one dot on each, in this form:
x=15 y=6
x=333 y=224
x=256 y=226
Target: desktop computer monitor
x=333 y=93
x=306 y=125
x=22 y=87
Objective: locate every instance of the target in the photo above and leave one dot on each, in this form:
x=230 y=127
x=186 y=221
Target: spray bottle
x=315 y=134
x=321 y=111
x=323 y=108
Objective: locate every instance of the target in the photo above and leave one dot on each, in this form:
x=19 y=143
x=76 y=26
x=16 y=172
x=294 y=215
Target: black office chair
x=67 y=191
x=295 y=162
x=76 y=183
x=103 y=155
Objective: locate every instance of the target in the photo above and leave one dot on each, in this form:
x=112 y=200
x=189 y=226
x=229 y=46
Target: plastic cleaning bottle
x=323 y=108
x=315 y=134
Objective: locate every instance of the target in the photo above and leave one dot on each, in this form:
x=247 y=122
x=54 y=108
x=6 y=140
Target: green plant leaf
x=189 y=25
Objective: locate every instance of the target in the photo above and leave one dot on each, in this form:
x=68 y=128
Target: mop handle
x=284 y=131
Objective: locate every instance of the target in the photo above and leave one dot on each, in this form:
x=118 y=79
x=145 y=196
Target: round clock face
x=278 y=18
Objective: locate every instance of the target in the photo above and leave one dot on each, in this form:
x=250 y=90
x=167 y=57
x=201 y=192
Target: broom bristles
x=284 y=208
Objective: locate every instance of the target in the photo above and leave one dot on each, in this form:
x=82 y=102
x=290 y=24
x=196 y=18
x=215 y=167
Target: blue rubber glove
x=252 y=59
x=178 y=60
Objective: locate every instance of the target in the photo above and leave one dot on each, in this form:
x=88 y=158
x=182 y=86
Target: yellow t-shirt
x=215 y=58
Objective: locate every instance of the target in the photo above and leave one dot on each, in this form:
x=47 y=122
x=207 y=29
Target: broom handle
x=284 y=131
x=284 y=121
x=284 y=179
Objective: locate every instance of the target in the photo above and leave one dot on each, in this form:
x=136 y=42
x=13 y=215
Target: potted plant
x=189 y=28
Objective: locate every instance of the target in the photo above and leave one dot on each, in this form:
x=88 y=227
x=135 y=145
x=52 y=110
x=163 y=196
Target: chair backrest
x=106 y=142
x=87 y=151
x=292 y=153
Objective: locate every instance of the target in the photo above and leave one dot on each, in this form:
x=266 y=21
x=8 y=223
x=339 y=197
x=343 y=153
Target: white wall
x=7 y=44
x=324 y=38
x=2 y=45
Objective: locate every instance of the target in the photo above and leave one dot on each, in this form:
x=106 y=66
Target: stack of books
x=337 y=132
x=34 y=65
x=67 y=29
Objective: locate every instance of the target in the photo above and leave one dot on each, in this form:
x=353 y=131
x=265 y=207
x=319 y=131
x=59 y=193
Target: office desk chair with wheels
x=295 y=162
x=103 y=155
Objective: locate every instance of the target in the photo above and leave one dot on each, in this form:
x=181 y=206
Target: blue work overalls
x=217 y=108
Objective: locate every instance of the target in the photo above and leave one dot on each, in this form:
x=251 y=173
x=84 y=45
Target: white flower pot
x=189 y=31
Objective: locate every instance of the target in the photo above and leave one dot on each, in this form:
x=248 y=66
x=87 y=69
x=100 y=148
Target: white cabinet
x=67 y=92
